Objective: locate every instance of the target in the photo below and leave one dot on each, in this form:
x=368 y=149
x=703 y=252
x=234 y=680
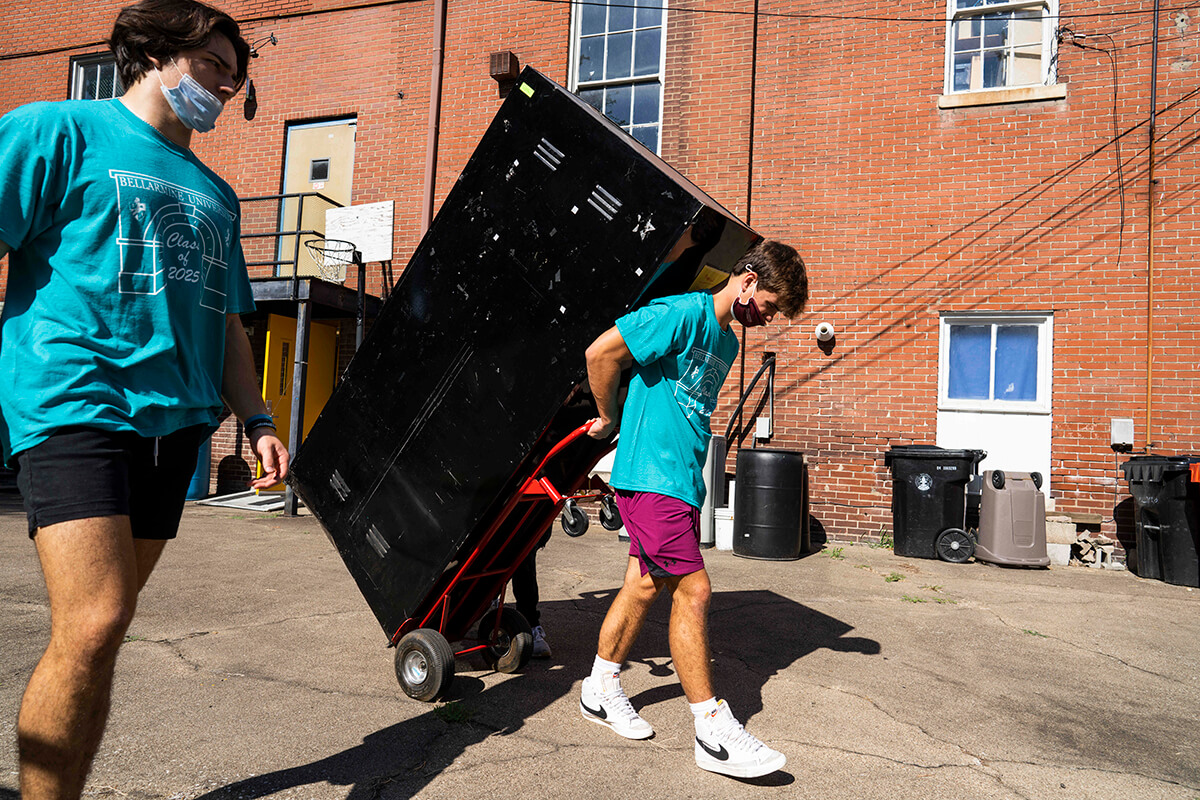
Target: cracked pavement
x=255 y=669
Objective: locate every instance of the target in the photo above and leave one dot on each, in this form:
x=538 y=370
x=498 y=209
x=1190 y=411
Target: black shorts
x=81 y=473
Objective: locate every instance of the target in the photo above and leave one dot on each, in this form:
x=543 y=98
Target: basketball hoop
x=332 y=257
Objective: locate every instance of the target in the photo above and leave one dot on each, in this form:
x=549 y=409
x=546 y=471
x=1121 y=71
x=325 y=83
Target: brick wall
x=902 y=211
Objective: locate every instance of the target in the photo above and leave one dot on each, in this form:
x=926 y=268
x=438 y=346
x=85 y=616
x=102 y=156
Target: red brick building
x=1002 y=248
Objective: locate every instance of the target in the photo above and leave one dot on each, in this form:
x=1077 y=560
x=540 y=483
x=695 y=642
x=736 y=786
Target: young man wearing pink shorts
x=680 y=349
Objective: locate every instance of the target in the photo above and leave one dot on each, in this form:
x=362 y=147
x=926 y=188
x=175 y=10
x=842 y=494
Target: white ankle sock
x=702 y=708
x=605 y=669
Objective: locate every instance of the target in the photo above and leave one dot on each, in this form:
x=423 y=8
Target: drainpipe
x=750 y=175
x=1150 y=241
x=435 y=111
x=753 y=100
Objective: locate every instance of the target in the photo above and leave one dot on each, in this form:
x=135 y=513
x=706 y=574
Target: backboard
x=368 y=225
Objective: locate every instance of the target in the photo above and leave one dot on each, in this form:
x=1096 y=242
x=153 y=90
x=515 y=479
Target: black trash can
x=770 y=506
x=1166 y=517
x=929 y=494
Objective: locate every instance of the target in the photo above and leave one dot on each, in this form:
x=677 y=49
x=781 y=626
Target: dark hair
x=161 y=29
x=780 y=270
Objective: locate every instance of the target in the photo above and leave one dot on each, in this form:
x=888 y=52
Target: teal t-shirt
x=681 y=357
x=125 y=259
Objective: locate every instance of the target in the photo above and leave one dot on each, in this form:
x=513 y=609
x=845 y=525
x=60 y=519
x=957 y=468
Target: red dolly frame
x=424 y=662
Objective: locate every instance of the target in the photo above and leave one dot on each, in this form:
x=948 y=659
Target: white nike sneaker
x=724 y=746
x=603 y=701
x=541 y=648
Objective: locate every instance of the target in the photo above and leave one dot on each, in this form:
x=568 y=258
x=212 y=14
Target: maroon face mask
x=748 y=312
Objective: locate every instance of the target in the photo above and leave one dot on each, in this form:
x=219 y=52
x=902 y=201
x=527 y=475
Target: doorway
x=319 y=157
x=278 y=370
x=994 y=389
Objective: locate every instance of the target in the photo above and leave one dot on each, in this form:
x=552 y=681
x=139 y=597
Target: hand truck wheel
x=424 y=664
x=574 y=520
x=610 y=516
x=509 y=643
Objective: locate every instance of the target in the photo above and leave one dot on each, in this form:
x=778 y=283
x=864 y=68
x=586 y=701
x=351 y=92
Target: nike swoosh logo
x=720 y=754
x=595 y=712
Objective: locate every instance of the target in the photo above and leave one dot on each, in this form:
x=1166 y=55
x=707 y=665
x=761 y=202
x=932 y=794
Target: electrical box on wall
x=1122 y=434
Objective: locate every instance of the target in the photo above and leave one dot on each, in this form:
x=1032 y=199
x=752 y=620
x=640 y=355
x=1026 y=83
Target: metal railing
x=278 y=214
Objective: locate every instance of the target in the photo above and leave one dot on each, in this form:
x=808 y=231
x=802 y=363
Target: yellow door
x=278 y=369
x=319 y=158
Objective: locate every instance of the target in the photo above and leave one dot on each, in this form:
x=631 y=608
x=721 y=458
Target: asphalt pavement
x=254 y=669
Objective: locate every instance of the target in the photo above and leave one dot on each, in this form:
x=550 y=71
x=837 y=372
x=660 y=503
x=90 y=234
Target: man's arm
x=239 y=387
x=606 y=357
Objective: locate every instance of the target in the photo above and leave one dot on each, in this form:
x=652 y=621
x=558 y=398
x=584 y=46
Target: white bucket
x=723 y=518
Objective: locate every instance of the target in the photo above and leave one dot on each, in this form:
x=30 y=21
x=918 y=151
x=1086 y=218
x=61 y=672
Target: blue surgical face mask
x=196 y=107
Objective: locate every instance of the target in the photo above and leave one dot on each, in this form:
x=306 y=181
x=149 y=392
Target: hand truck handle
x=572 y=436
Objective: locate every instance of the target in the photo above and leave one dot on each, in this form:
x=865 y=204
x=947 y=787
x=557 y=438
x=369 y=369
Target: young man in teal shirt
x=680 y=349
x=119 y=343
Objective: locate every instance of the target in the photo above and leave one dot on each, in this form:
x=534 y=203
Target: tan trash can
x=1012 y=520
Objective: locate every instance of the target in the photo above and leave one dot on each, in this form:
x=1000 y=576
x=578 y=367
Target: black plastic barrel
x=1166 y=517
x=770 y=507
x=929 y=494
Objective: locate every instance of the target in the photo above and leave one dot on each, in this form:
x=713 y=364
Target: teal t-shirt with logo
x=681 y=358
x=125 y=260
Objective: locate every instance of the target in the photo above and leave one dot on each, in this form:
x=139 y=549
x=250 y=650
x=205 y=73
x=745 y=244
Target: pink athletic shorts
x=664 y=533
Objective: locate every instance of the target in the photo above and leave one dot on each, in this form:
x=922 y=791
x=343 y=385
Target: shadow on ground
x=756 y=635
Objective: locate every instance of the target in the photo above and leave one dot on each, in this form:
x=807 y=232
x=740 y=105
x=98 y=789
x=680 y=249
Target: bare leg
x=625 y=616
x=93 y=571
x=690 y=596
x=146 y=552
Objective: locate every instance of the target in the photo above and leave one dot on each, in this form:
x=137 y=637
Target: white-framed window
x=999 y=44
x=996 y=362
x=617 y=51
x=94 y=77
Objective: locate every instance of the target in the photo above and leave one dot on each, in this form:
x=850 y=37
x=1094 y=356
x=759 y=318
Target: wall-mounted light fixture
x=259 y=43
x=504 y=67
x=250 y=104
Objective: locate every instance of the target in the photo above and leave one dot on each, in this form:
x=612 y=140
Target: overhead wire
x=1144 y=24
x=1124 y=28
x=940 y=19
x=1073 y=38
x=313 y=12
x=674 y=9
x=997 y=215
x=1147 y=42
